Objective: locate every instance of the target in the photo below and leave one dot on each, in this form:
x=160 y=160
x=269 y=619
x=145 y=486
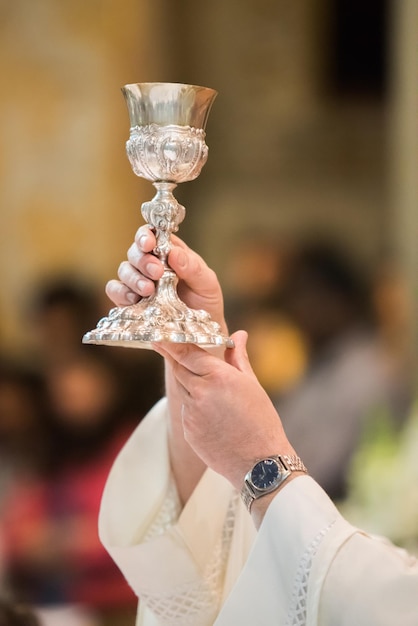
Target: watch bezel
x=270 y=479
x=282 y=473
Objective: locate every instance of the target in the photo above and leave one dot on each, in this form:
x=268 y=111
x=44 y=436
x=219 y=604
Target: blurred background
x=307 y=209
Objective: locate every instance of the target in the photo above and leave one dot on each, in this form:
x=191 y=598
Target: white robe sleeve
x=183 y=572
x=307 y=566
x=310 y=567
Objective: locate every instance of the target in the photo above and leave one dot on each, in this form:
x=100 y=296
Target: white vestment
x=205 y=564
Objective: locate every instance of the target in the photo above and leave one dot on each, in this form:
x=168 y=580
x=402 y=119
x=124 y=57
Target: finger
x=135 y=280
x=120 y=294
x=182 y=375
x=238 y=356
x=148 y=264
x=145 y=238
x=140 y=253
x=190 y=357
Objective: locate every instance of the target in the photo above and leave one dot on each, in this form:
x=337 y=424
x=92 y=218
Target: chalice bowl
x=166 y=146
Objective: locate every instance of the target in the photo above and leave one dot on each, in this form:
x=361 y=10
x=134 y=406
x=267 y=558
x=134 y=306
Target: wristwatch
x=267 y=475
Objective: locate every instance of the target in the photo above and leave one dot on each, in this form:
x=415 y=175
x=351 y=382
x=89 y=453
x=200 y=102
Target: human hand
x=198 y=285
x=228 y=418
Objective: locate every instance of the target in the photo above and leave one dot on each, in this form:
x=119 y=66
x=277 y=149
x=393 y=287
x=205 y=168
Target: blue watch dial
x=265 y=474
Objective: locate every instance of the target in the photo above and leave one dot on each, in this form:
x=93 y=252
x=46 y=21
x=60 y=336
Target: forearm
x=186 y=466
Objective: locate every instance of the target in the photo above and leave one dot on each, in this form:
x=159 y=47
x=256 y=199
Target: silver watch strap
x=247 y=496
x=293 y=462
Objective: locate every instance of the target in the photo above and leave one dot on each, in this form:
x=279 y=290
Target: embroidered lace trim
x=298 y=605
x=167 y=515
x=197 y=602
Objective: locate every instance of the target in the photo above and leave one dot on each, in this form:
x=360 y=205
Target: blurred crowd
x=327 y=340
x=66 y=409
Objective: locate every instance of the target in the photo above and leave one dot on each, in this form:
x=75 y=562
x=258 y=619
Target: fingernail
x=143 y=241
x=141 y=284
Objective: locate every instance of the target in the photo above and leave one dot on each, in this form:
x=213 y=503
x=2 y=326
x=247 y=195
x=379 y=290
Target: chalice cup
x=166 y=146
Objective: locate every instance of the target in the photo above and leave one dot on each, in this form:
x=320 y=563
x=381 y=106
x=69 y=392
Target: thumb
x=238 y=356
x=185 y=262
x=192 y=269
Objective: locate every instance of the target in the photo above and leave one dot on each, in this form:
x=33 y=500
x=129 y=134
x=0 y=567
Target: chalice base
x=158 y=318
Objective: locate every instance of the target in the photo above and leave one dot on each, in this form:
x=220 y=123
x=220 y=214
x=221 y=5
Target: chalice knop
x=166 y=146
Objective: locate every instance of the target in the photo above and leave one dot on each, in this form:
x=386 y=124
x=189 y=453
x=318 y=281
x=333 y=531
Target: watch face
x=265 y=474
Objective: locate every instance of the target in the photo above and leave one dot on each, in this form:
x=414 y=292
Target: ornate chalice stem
x=164 y=214
x=166 y=146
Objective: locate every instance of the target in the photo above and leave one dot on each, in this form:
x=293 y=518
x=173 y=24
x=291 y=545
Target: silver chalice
x=166 y=146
